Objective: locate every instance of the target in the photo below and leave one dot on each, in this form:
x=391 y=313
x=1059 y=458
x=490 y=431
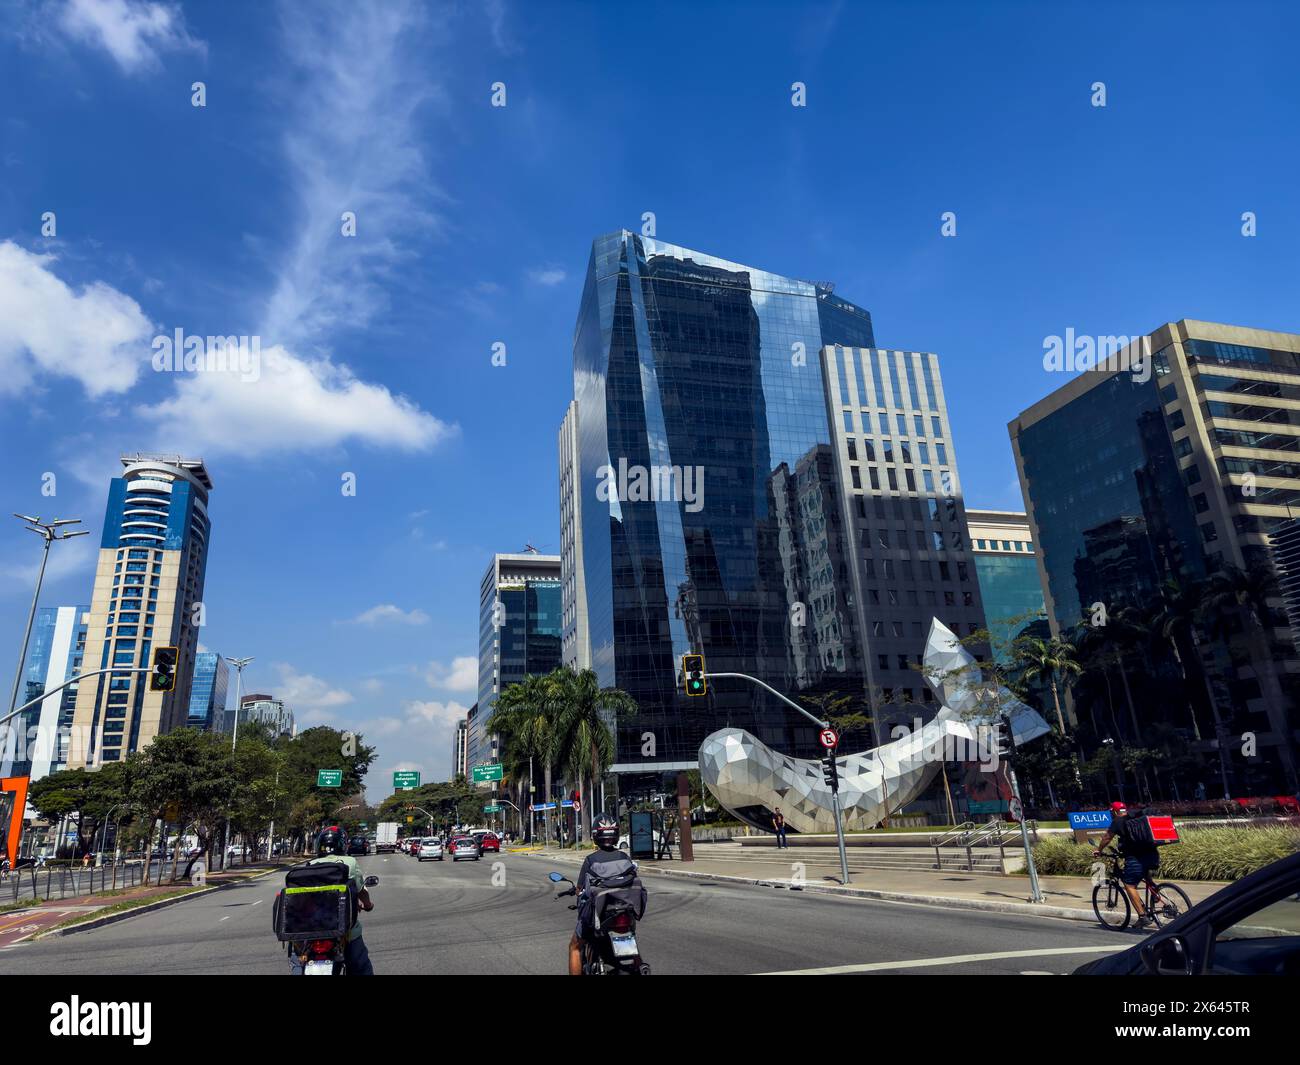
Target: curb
x=122 y=915
x=1020 y=909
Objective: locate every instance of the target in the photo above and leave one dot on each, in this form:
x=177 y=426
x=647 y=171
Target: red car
x=464 y=847
x=490 y=842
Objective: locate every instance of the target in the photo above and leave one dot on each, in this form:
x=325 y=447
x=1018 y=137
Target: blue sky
x=474 y=225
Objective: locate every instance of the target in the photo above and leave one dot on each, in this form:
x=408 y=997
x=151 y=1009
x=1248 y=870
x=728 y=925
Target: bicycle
x=1164 y=902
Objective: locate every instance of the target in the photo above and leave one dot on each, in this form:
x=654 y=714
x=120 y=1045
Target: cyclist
x=1141 y=857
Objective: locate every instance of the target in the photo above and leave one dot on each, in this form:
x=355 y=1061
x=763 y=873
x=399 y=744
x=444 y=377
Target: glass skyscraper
x=1003 y=549
x=1139 y=480
x=702 y=378
x=520 y=621
x=37 y=744
x=208 y=695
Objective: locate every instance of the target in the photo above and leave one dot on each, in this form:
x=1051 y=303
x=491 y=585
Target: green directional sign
x=405 y=780
x=484 y=774
x=329 y=778
x=492 y=808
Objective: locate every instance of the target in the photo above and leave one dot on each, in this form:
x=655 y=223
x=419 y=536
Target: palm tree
x=1174 y=618
x=1247 y=592
x=525 y=714
x=583 y=733
x=1050 y=659
x=1123 y=632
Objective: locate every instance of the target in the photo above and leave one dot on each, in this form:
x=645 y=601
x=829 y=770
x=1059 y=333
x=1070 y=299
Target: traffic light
x=831 y=772
x=163 y=677
x=693 y=671
x=1006 y=744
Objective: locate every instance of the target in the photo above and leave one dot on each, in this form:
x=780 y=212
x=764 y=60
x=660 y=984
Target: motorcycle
x=321 y=956
x=610 y=947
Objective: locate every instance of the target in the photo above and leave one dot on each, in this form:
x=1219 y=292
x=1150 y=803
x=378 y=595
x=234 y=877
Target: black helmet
x=332 y=840
x=604 y=831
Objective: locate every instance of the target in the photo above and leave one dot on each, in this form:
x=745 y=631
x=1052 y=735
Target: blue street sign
x=566 y=803
x=542 y=806
x=1093 y=820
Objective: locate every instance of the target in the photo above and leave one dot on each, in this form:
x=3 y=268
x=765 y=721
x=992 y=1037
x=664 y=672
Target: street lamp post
x=239 y=664
x=49 y=531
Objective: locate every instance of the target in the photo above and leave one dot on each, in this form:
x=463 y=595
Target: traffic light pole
x=80 y=676
x=835 y=793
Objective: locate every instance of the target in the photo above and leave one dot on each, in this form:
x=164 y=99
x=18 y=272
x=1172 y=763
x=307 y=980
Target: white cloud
x=295 y=405
x=357 y=77
x=98 y=336
x=308 y=696
x=435 y=713
x=547 y=275
x=372 y=685
x=381 y=726
x=389 y=612
x=66 y=560
x=460 y=676
x=134 y=32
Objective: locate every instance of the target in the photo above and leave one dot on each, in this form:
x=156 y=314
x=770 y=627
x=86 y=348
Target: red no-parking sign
x=830 y=738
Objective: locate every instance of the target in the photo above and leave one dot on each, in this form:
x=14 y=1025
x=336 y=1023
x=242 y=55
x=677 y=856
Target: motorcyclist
x=332 y=846
x=604 y=833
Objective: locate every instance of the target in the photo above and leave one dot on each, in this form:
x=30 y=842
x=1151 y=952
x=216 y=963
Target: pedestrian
x=778 y=826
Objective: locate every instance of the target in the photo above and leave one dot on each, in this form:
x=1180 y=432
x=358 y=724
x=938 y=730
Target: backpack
x=318 y=901
x=614 y=885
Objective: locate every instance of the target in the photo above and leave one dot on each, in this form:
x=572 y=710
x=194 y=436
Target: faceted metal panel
x=744 y=774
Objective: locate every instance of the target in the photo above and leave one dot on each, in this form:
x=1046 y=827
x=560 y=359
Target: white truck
x=386 y=837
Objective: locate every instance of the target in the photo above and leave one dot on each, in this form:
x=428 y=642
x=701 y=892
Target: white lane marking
x=258 y=902
x=226 y=918
x=952 y=959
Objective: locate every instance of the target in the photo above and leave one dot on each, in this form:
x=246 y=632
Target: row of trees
x=1139 y=675
x=562 y=722
x=192 y=782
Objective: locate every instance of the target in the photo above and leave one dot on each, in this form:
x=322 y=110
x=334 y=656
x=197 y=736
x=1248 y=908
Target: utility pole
x=49 y=531
x=1004 y=722
x=835 y=798
x=239 y=664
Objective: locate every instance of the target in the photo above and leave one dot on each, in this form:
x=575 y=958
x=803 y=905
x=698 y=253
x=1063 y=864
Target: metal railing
x=62 y=881
x=968 y=836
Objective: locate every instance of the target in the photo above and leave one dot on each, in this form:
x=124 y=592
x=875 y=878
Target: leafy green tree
x=86 y=797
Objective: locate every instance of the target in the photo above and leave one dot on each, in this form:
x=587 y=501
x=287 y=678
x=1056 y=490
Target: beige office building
x=148 y=592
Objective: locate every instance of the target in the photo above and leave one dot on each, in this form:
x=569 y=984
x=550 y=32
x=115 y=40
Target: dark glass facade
x=1010 y=587
x=208 y=694
x=1113 y=515
x=683 y=360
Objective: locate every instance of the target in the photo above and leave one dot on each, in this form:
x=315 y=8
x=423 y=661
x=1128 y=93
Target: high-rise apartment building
x=699 y=405
x=458 y=750
x=519 y=634
x=37 y=743
x=148 y=582
x=1169 y=465
x=208 y=692
x=1003 y=549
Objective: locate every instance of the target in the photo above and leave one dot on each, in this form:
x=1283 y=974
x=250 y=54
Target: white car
x=429 y=848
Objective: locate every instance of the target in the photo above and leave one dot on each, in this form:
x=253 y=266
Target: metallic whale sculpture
x=750 y=779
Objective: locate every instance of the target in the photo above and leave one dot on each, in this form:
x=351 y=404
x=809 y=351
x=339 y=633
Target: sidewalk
x=1067 y=897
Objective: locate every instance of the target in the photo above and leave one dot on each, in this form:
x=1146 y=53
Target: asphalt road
x=499 y=916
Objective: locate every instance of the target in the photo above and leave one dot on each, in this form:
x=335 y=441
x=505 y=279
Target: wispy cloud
x=357 y=78
x=387 y=612
x=135 y=33
x=547 y=275
x=308 y=696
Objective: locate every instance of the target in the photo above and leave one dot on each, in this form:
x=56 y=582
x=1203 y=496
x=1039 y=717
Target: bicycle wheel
x=1110 y=904
x=1167 y=903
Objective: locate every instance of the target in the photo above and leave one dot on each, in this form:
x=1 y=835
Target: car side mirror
x=1169 y=956
x=371 y=881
